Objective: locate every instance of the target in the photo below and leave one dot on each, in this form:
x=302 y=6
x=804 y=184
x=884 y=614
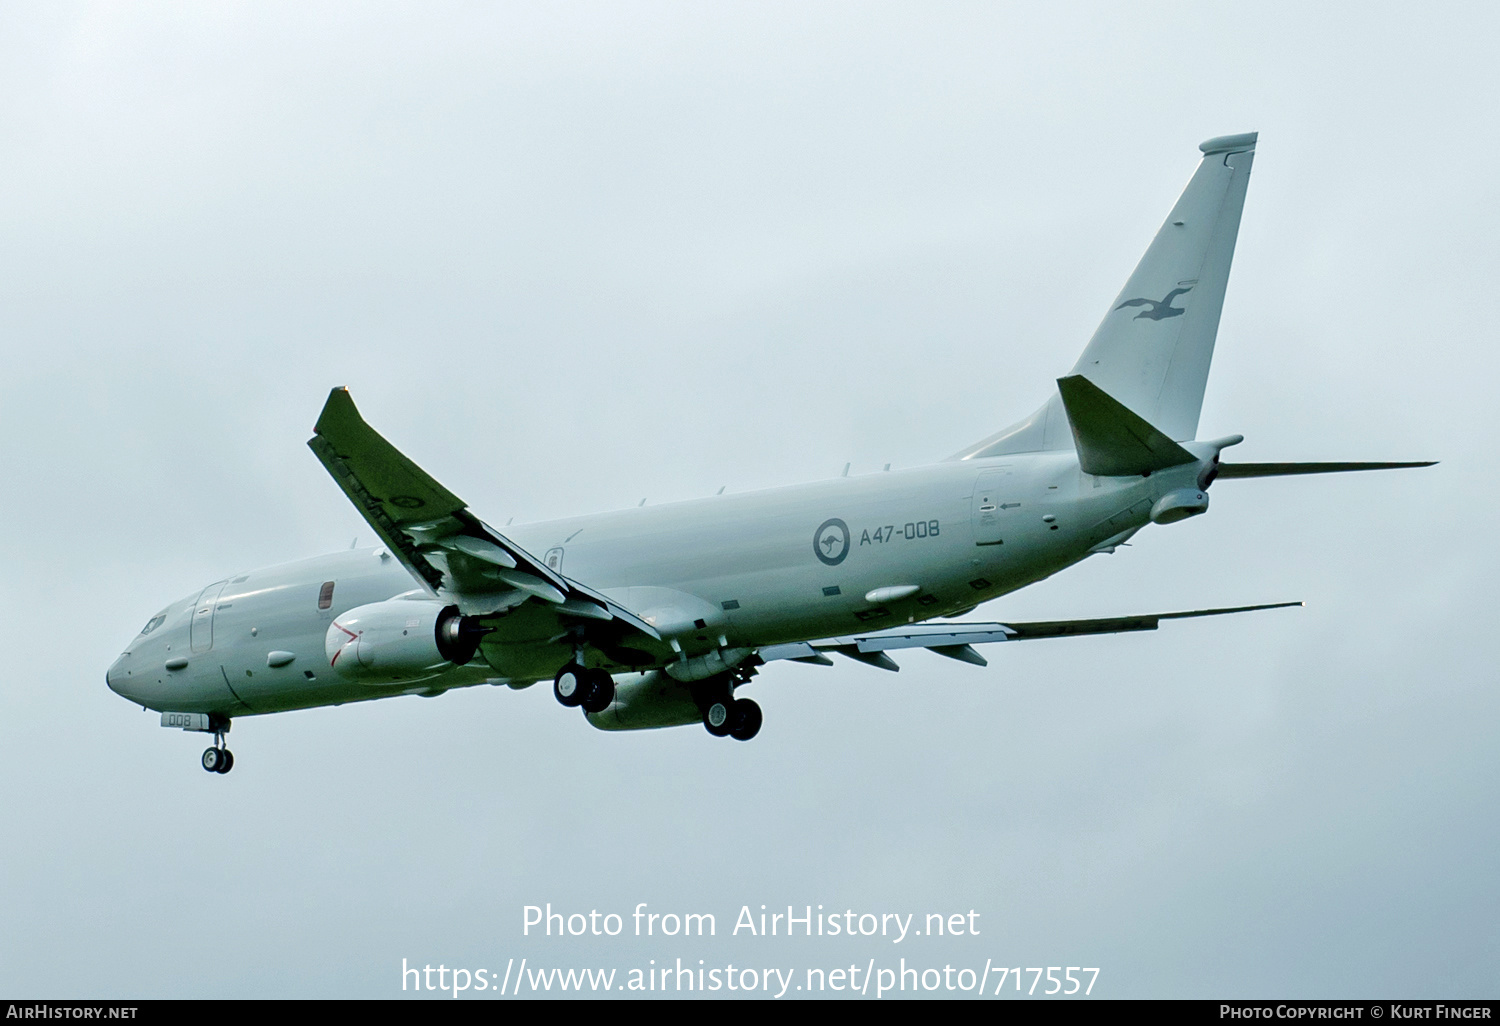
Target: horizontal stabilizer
x=1112 y=440
x=1227 y=470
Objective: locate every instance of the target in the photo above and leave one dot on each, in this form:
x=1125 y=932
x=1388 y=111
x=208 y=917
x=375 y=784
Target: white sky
x=570 y=255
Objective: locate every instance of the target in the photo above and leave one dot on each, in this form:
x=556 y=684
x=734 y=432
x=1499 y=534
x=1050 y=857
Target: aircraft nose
x=115 y=678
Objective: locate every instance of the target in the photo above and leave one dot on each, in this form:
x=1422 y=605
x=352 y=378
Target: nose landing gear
x=218 y=759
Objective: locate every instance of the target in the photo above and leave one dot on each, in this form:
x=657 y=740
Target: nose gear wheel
x=218 y=759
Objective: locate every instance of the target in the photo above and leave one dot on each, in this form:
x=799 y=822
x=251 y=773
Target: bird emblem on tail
x=1160 y=308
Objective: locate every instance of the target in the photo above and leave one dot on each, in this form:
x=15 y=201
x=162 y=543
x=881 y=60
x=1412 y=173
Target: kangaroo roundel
x=831 y=541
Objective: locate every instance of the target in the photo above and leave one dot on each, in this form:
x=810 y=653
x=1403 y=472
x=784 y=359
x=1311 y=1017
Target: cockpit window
x=325 y=595
x=153 y=623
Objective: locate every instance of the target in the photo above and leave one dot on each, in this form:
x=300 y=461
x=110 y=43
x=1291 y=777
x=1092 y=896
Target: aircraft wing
x=956 y=640
x=452 y=554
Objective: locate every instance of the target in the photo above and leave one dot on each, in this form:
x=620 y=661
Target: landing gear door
x=992 y=505
x=203 y=617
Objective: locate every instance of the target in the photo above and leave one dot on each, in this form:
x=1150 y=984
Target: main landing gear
x=218 y=759
x=577 y=685
x=723 y=714
x=739 y=718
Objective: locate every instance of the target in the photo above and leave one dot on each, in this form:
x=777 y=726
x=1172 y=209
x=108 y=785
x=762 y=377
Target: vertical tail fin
x=1153 y=349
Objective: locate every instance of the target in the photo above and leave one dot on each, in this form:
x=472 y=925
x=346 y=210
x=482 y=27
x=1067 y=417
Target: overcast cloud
x=568 y=256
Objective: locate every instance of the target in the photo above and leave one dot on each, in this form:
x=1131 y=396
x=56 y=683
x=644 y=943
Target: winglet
x=1112 y=440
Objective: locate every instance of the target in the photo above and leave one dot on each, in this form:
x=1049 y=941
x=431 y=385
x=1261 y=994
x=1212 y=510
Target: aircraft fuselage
x=733 y=571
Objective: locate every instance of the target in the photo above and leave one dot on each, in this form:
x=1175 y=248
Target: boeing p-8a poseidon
x=655 y=617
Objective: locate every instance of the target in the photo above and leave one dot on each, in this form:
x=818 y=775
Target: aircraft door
x=992 y=504
x=202 y=629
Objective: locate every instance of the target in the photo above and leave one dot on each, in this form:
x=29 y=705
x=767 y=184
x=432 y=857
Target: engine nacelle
x=398 y=641
x=644 y=701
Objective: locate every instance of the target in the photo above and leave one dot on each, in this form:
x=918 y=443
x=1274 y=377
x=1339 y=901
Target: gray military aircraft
x=655 y=617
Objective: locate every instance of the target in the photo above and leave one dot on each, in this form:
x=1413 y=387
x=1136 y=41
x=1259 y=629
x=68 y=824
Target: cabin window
x=325 y=595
